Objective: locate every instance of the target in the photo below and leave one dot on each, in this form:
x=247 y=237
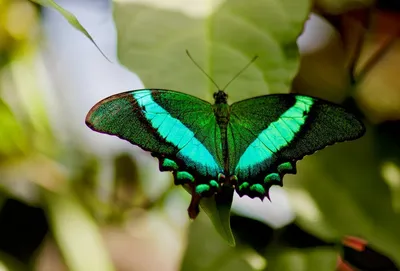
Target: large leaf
x=218 y=210
x=152 y=42
x=207 y=251
x=342 y=191
x=76 y=234
x=70 y=18
x=222 y=38
x=302 y=259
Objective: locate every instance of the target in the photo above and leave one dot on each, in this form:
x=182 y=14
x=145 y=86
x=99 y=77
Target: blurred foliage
x=53 y=209
x=70 y=18
x=14 y=32
x=266 y=28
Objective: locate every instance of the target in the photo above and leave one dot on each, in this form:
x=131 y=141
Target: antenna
x=198 y=66
x=242 y=70
x=209 y=77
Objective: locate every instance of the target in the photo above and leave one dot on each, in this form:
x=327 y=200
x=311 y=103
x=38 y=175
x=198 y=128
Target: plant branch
x=354 y=58
x=376 y=57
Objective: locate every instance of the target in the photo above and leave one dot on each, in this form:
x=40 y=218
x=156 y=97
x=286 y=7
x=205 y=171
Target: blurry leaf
x=12 y=137
x=76 y=234
x=8 y=263
x=206 y=251
x=127 y=191
x=14 y=32
x=348 y=195
x=70 y=18
x=152 y=43
x=23 y=177
x=321 y=45
x=21 y=235
x=341 y=6
x=252 y=233
x=301 y=259
x=218 y=209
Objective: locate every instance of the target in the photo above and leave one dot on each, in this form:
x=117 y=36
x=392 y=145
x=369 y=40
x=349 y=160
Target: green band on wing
x=213 y=183
x=201 y=188
x=258 y=188
x=285 y=167
x=184 y=176
x=272 y=177
x=176 y=133
x=244 y=185
x=278 y=135
x=169 y=164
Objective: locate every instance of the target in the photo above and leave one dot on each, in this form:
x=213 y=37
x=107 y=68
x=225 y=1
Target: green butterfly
x=249 y=145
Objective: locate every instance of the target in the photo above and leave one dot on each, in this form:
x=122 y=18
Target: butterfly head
x=220 y=97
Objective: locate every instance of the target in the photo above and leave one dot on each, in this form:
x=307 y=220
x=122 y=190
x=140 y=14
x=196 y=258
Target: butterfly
x=248 y=145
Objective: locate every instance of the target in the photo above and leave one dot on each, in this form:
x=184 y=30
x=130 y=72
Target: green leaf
x=9 y=263
x=206 y=251
x=70 y=18
x=152 y=42
x=222 y=39
x=12 y=137
x=344 y=191
x=76 y=234
x=218 y=209
x=301 y=259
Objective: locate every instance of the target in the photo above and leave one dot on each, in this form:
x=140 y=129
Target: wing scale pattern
x=271 y=141
x=166 y=124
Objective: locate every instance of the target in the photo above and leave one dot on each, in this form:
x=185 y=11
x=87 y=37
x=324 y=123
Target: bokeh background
x=72 y=199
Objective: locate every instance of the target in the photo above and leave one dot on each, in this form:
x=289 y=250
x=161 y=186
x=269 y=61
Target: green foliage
x=221 y=42
x=354 y=200
x=218 y=210
x=65 y=210
x=70 y=18
x=302 y=260
x=13 y=140
x=212 y=254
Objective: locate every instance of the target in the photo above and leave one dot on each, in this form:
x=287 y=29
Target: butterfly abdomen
x=222 y=113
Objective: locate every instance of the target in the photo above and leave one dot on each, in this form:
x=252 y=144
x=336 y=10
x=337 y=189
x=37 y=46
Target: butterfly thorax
x=221 y=108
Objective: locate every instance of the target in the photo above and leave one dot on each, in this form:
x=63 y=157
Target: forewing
x=268 y=134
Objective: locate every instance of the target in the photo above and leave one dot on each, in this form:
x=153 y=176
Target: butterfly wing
x=268 y=134
x=177 y=128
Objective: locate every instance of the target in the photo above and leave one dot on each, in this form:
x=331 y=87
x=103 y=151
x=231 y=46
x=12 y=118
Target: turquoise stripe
x=278 y=135
x=175 y=132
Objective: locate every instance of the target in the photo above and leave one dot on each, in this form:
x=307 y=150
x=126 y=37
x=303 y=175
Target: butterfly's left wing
x=177 y=128
x=268 y=134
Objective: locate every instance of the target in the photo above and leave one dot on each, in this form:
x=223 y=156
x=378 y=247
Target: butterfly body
x=247 y=146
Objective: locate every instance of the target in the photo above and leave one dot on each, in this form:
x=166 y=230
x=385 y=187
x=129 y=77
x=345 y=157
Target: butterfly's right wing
x=177 y=128
x=268 y=134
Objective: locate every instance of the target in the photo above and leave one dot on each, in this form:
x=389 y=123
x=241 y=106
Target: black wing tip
x=95 y=107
